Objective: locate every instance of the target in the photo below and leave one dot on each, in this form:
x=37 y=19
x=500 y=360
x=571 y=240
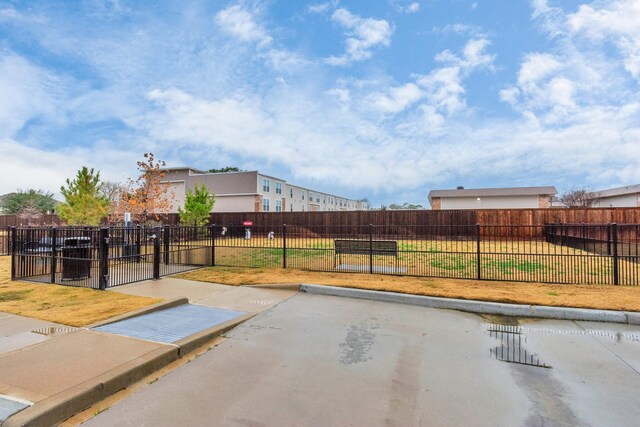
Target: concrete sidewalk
x=252 y=299
x=18 y=332
x=59 y=375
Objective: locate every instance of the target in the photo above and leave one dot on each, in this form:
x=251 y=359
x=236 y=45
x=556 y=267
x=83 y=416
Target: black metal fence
x=545 y=253
x=100 y=258
x=4 y=241
x=554 y=253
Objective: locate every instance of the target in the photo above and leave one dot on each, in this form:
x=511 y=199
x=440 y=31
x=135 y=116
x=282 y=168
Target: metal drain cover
x=172 y=324
x=54 y=330
x=11 y=405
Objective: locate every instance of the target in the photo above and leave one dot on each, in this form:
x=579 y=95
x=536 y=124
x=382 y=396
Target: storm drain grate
x=11 y=405
x=54 y=330
x=262 y=302
x=511 y=348
x=171 y=324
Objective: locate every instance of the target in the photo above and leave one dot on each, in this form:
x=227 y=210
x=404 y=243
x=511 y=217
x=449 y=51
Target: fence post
x=103 y=257
x=478 y=250
x=138 y=245
x=370 y=248
x=54 y=249
x=156 y=253
x=284 y=245
x=13 y=238
x=8 y=240
x=614 y=235
x=213 y=245
x=609 y=239
x=166 y=241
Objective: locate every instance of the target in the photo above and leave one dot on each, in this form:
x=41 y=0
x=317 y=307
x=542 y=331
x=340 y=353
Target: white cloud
x=322 y=7
x=28 y=92
x=443 y=86
x=25 y=166
x=240 y=23
x=537 y=66
x=396 y=100
x=363 y=34
x=615 y=21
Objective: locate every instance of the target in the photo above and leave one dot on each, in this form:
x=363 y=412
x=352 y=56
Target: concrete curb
x=68 y=403
x=58 y=408
x=187 y=345
x=545 y=312
x=162 y=305
x=291 y=287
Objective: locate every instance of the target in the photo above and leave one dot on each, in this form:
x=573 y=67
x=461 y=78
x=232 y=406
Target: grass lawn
x=585 y=296
x=62 y=304
x=528 y=261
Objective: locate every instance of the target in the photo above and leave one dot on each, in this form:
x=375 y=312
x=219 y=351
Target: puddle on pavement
x=614 y=335
x=512 y=346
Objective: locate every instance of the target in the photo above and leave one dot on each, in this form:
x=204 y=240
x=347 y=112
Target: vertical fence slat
x=103 y=280
x=614 y=235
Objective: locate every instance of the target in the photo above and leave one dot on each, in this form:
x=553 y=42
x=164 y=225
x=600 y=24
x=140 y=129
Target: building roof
x=182 y=168
x=484 y=192
x=618 y=191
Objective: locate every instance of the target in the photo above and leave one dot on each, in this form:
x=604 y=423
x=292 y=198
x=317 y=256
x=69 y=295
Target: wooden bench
x=364 y=247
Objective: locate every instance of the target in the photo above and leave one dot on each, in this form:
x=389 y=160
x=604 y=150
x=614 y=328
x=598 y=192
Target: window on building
x=291 y=207
x=278 y=205
x=302 y=194
x=291 y=193
x=278 y=188
x=265 y=185
x=265 y=205
x=302 y=208
x=310 y=196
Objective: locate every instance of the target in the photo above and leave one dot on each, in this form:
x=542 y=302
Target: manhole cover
x=511 y=348
x=54 y=330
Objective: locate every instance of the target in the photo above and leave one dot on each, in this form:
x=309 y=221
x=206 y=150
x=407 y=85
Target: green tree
x=197 y=206
x=32 y=200
x=84 y=204
x=225 y=169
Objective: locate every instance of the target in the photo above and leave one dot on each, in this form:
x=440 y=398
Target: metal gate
x=101 y=258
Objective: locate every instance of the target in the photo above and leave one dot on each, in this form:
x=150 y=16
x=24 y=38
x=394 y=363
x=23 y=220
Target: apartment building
x=252 y=191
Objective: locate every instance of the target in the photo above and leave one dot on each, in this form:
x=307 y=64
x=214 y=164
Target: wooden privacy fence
x=17 y=221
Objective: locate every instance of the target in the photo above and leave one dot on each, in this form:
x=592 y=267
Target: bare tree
x=579 y=198
x=30 y=214
x=112 y=190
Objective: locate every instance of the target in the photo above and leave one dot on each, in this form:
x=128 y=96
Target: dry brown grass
x=585 y=296
x=62 y=304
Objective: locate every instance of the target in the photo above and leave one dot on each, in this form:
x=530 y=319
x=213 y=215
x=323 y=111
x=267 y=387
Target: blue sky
x=380 y=99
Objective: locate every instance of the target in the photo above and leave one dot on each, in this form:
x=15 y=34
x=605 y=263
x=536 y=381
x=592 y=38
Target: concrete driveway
x=329 y=361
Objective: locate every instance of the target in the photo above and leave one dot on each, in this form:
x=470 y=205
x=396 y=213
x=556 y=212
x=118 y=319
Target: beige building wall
x=622 y=201
x=240 y=203
x=489 y=202
x=176 y=195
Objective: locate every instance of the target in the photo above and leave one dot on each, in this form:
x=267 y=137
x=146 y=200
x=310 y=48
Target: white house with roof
x=492 y=198
x=618 y=197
